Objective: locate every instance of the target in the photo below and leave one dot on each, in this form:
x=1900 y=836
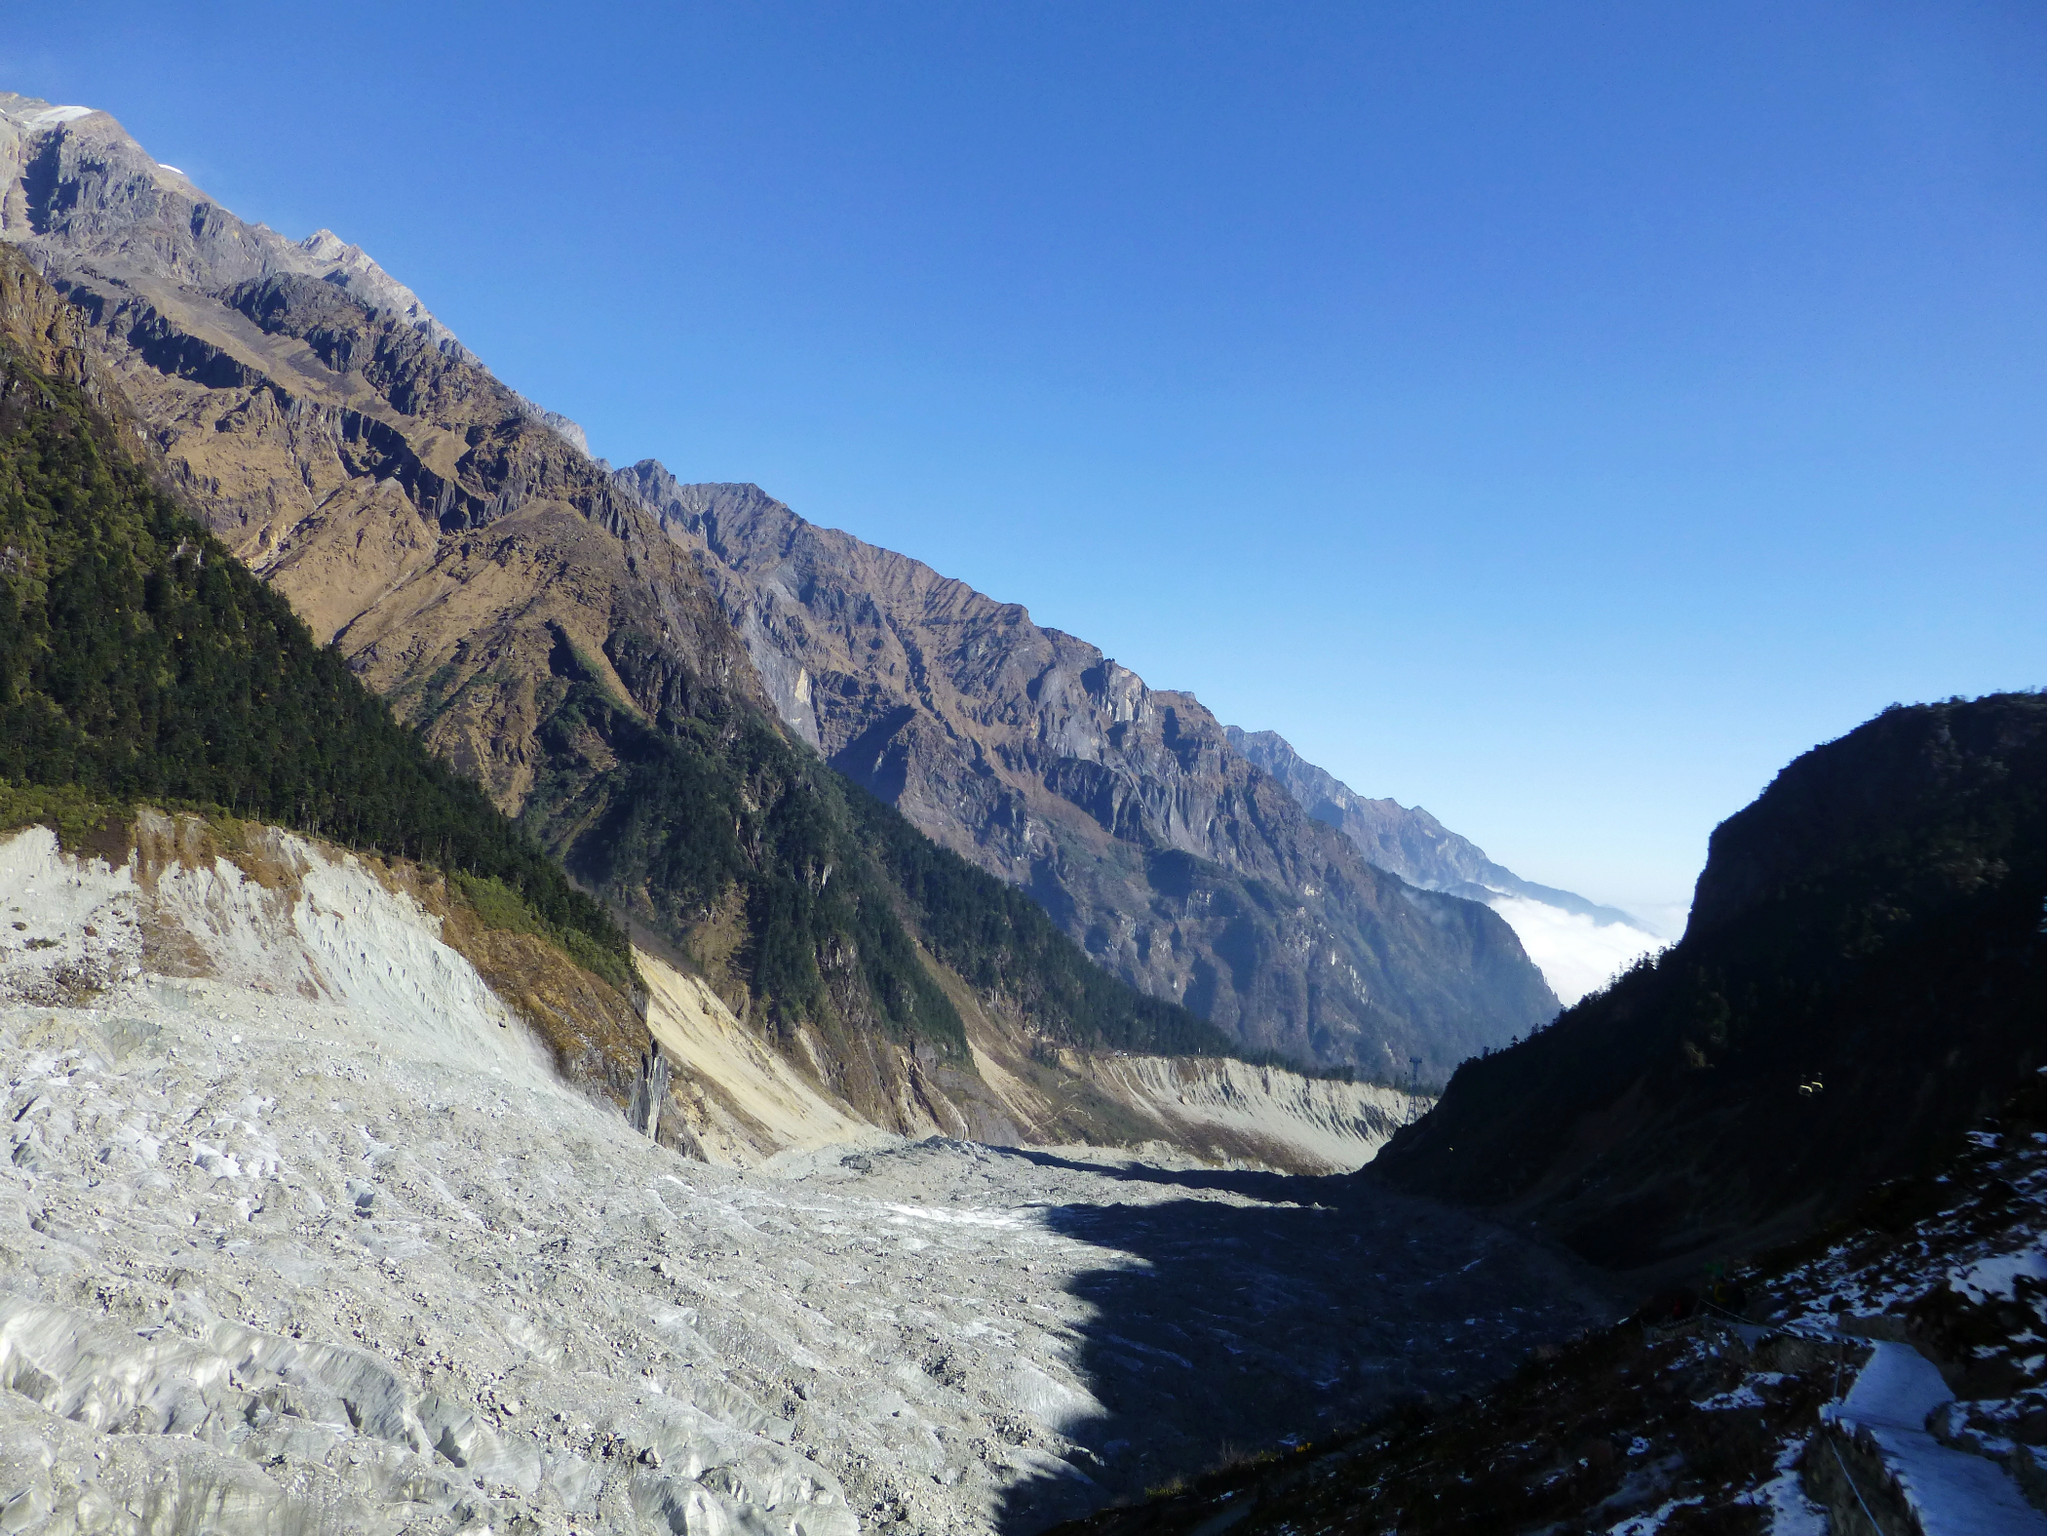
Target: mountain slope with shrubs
x=1696 y=1419
x=1811 y=1137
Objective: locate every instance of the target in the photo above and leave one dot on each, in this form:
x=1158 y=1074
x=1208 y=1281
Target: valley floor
x=359 y=1261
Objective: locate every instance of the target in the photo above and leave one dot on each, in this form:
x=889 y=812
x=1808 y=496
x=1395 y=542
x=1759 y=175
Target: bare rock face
x=433 y=524
x=1126 y=812
x=79 y=185
x=477 y=568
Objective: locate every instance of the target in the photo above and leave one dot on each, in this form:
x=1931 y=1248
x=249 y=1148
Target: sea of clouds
x=1576 y=954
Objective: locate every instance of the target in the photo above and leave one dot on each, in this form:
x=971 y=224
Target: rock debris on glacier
x=357 y=1260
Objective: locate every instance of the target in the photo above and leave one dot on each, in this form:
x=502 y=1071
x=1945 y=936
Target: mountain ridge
x=143 y=670
x=1124 y=810
x=1405 y=839
x=549 y=631
x=1579 y=945
x=540 y=629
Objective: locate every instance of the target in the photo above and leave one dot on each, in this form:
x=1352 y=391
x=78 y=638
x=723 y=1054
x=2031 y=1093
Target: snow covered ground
x=1949 y=1491
x=1943 y=1422
x=317 y=1241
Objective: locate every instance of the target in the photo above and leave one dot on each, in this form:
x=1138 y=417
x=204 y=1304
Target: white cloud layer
x=1575 y=954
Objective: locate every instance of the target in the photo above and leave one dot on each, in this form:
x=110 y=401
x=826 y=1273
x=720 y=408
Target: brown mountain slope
x=548 y=633
x=479 y=570
x=1126 y=812
x=457 y=545
x=412 y=507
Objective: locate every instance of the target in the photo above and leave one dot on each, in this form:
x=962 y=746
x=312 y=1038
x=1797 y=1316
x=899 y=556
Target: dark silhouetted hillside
x=1861 y=979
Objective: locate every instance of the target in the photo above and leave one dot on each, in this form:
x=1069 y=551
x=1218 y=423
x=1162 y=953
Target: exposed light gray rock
x=568 y=431
x=79 y=190
x=318 y=1242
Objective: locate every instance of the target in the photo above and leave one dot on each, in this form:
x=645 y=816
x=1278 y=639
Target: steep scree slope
x=1861 y=979
x=1125 y=812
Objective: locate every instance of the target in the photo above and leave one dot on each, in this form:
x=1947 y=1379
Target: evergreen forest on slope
x=696 y=814
x=140 y=661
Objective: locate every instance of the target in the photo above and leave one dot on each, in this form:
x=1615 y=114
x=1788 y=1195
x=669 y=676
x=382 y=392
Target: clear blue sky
x=1556 y=414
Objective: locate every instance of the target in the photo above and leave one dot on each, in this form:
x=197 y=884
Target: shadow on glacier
x=1277 y=1311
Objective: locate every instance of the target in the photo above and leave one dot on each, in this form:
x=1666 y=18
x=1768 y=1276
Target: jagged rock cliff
x=141 y=664
x=1126 y=812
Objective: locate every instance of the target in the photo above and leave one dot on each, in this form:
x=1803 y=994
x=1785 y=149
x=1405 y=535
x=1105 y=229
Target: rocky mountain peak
x=350 y=268
x=78 y=185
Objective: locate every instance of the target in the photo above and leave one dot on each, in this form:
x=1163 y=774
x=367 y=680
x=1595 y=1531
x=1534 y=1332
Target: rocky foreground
x=319 y=1241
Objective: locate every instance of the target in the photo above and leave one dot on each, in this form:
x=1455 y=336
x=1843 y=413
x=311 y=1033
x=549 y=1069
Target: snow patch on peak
x=50 y=117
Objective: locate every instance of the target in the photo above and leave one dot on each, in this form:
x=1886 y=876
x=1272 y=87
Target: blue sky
x=1558 y=415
